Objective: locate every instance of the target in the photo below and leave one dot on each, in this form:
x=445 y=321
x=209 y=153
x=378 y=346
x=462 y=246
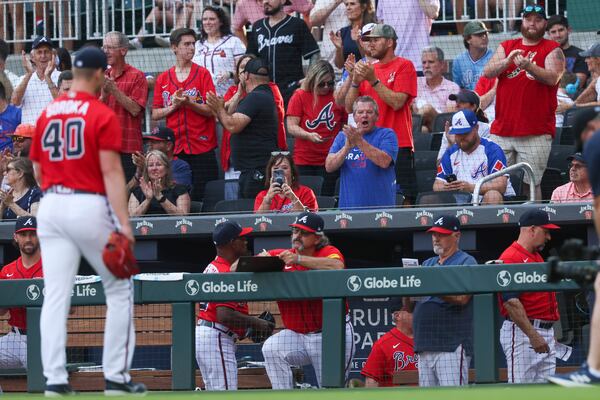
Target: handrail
x=522 y=165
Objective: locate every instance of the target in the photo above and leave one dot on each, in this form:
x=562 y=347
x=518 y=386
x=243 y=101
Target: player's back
x=70 y=134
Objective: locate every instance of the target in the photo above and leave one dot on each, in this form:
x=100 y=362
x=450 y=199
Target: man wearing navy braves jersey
x=470 y=159
x=13 y=345
x=220 y=324
x=282 y=41
x=526 y=336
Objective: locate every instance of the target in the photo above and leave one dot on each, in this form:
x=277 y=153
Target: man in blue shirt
x=467 y=68
x=365 y=156
x=443 y=326
x=10 y=118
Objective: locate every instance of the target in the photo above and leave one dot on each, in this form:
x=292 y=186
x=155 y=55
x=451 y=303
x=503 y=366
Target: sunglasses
x=328 y=83
x=18 y=139
x=533 y=8
x=280 y=153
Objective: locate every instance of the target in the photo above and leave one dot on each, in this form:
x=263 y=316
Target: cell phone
x=279 y=176
x=451 y=178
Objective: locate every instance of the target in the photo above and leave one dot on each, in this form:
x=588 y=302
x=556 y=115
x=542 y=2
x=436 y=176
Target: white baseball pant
x=288 y=348
x=13 y=350
x=523 y=364
x=215 y=354
x=440 y=368
x=71 y=226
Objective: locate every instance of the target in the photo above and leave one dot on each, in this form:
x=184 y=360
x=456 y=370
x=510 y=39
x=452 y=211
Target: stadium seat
x=571 y=114
x=214 y=191
x=425 y=160
x=326 y=202
x=239 y=205
x=558 y=157
x=314 y=182
x=195 y=207
x=551 y=179
x=417 y=122
x=400 y=199
x=422 y=141
x=436 y=140
x=439 y=123
x=444 y=198
x=566 y=136
x=425 y=179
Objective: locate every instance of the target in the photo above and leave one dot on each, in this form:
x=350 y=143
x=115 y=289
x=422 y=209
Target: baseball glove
x=118 y=256
x=260 y=336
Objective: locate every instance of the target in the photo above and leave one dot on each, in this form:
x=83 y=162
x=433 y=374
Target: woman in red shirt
x=314 y=119
x=289 y=196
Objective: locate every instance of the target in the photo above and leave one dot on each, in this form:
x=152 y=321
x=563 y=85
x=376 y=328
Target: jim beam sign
x=424 y=217
x=505 y=213
x=343 y=219
x=587 y=211
x=144 y=226
x=183 y=225
x=263 y=223
x=383 y=218
x=464 y=215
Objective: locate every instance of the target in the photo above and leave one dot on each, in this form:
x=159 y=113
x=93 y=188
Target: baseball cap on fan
x=309 y=222
x=462 y=122
x=534 y=9
x=445 y=224
x=382 y=30
x=366 y=30
x=474 y=28
x=536 y=218
x=25 y=224
x=41 y=41
x=593 y=51
x=90 y=57
x=162 y=134
x=465 y=96
x=228 y=231
x=257 y=67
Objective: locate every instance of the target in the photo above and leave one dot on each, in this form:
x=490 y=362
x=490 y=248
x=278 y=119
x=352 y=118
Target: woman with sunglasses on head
x=283 y=192
x=23 y=196
x=314 y=119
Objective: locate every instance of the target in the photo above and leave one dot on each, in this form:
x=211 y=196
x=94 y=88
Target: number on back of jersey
x=64 y=139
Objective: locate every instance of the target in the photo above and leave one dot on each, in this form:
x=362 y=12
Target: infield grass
x=491 y=392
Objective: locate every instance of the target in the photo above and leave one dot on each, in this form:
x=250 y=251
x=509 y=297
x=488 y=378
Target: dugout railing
x=483 y=281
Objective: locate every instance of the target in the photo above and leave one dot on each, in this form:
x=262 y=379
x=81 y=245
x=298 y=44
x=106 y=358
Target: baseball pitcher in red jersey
x=220 y=324
x=13 y=345
x=526 y=335
x=300 y=342
x=76 y=158
x=393 y=352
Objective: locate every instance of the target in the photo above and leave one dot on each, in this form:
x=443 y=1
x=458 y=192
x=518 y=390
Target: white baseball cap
x=462 y=122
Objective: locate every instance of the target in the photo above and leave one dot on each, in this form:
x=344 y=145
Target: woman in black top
x=23 y=196
x=157 y=192
x=346 y=40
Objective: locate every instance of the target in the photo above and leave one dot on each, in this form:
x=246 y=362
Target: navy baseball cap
x=536 y=218
x=445 y=224
x=465 y=96
x=25 y=224
x=309 y=222
x=41 y=41
x=577 y=157
x=257 y=67
x=162 y=134
x=90 y=57
x=463 y=122
x=227 y=231
x=534 y=9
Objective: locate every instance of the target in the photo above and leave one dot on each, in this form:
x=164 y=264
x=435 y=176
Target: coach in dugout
x=526 y=336
x=300 y=343
x=443 y=326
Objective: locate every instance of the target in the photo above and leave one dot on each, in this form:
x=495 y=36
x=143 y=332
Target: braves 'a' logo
x=325 y=117
x=480 y=170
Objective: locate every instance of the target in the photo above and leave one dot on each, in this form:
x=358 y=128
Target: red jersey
x=194 y=133
x=524 y=105
x=325 y=118
x=484 y=85
x=398 y=75
x=69 y=136
x=538 y=305
x=304 y=316
x=134 y=85
x=393 y=352
x=16 y=270
x=283 y=204
x=281 y=139
x=208 y=311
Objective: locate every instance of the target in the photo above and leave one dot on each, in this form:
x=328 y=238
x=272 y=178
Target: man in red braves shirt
x=528 y=71
x=527 y=336
x=13 y=345
x=300 y=342
x=221 y=324
x=76 y=158
x=393 y=352
x=392 y=82
x=180 y=97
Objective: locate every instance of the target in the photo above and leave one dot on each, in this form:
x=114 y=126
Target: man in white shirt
x=37 y=87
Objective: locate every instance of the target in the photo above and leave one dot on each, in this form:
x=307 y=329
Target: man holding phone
x=470 y=159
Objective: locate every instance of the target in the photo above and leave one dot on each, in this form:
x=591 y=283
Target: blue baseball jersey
x=466 y=72
x=484 y=160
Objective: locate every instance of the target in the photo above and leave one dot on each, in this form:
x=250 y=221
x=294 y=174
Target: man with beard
x=300 y=343
x=282 y=41
x=443 y=326
x=528 y=70
x=558 y=30
x=470 y=159
x=392 y=82
x=13 y=345
x=526 y=336
x=220 y=324
x=365 y=156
